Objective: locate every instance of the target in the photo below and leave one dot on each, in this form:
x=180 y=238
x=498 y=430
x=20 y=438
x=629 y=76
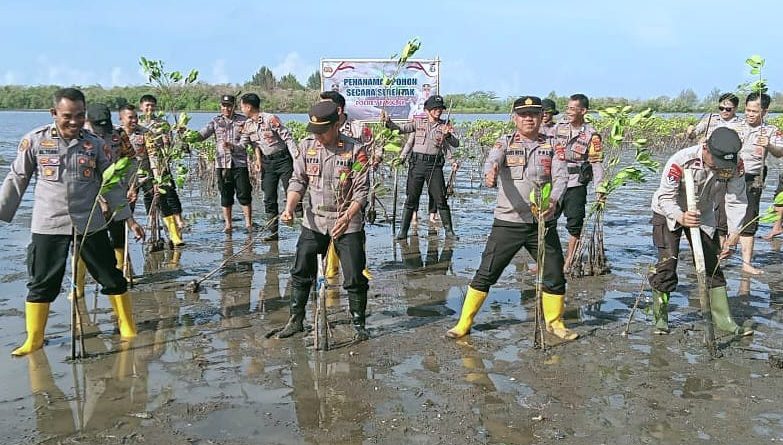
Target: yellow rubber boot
x=119 y=255
x=171 y=224
x=554 y=308
x=473 y=301
x=35 y=315
x=332 y=262
x=367 y=274
x=124 y=311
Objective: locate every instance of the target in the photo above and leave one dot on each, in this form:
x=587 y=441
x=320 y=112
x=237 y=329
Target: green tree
x=264 y=78
x=289 y=82
x=314 y=81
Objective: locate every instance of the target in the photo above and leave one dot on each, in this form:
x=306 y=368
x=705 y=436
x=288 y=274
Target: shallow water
x=202 y=370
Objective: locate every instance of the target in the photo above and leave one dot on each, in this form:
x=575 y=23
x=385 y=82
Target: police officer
x=160 y=137
x=712 y=161
x=574 y=143
x=333 y=169
x=231 y=161
x=518 y=164
x=548 y=118
x=68 y=162
x=116 y=146
x=363 y=134
x=433 y=140
x=725 y=117
x=275 y=147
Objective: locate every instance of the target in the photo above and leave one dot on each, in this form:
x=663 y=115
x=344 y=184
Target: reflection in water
x=108 y=388
x=328 y=407
x=236 y=279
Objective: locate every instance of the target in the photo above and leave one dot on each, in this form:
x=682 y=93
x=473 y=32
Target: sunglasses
x=726 y=108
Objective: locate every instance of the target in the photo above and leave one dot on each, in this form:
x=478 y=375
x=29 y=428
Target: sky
x=602 y=48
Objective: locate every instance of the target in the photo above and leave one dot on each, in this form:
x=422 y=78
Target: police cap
x=724 y=144
x=322 y=115
x=228 y=99
x=527 y=104
x=549 y=106
x=99 y=114
x=434 y=102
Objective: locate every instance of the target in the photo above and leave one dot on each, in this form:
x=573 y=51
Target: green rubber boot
x=721 y=315
x=660 y=312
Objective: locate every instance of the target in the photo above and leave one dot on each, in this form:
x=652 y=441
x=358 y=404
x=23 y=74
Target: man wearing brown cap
x=332 y=168
x=230 y=161
x=712 y=162
x=433 y=140
x=519 y=165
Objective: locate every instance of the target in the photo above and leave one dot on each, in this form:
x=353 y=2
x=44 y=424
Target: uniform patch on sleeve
x=560 y=151
x=740 y=168
x=274 y=122
x=24 y=145
x=674 y=175
x=498 y=144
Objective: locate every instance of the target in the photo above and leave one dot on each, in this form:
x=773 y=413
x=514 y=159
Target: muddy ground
x=202 y=372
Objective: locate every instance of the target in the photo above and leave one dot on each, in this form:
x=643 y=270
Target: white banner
x=360 y=81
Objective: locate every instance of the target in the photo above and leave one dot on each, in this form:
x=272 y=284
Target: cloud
x=219 y=74
x=293 y=63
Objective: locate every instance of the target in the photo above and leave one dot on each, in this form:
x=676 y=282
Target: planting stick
x=701 y=269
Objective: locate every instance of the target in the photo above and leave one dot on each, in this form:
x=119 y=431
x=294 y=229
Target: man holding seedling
x=68 y=163
x=158 y=144
x=433 y=140
x=332 y=168
x=725 y=117
x=231 y=163
x=520 y=165
x=275 y=151
x=714 y=161
x=574 y=143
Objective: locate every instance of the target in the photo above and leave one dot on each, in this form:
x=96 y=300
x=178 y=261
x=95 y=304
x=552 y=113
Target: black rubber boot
x=273 y=227
x=296 y=321
x=407 y=215
x=357 y=305
x=445 y=218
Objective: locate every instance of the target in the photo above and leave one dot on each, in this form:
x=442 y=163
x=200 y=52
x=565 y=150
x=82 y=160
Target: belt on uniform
x=425 y=157
x=574 y=170
x=327 y=211
x=277 y=155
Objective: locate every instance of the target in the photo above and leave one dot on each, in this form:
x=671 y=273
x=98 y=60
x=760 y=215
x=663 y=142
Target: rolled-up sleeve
x=17 y=180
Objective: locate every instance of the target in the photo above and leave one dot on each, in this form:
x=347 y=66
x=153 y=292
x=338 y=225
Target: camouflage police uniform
x=669 y=204
x=231 y=158
x=155 y=139
x=523 y=166
x=428 y=150
x=334 y=178
x=267 y=135
x=581 y=150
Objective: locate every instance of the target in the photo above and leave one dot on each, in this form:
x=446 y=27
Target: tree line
x=287 y=95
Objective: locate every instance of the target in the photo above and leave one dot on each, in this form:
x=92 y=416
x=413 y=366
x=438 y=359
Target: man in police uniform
x=158 y=138
x=275 y=147
x=713 y=161
x=433 y=140
x=117 y=145
x=231 y=161
x=363 y=134
x=758 y=139
x=726 y=117
x=574 y=143
x=548 y=122
x=333 y=169
x=518 y=164
x=68 y=162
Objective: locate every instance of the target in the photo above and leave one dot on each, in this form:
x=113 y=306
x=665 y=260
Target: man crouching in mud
x=333 y=167
x=712 y=161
